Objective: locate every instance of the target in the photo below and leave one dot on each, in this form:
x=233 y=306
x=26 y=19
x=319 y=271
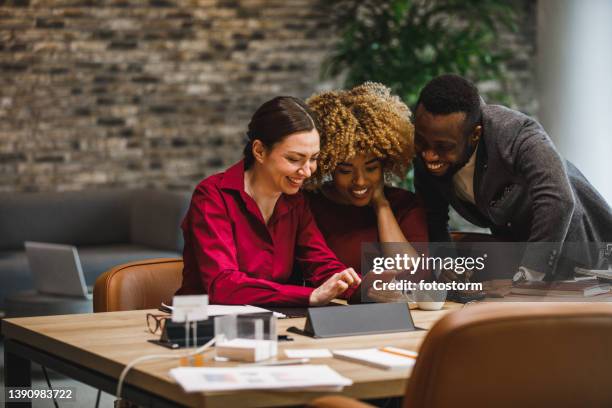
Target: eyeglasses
x=156 y=323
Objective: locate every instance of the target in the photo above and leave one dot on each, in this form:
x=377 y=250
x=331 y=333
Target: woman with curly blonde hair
x=366 y=139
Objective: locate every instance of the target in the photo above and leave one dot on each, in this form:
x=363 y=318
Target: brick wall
x=157 y=93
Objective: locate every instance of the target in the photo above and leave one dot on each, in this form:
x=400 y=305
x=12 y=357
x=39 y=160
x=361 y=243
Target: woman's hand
x=334 y=286
x=382 y=295
x=378 y=196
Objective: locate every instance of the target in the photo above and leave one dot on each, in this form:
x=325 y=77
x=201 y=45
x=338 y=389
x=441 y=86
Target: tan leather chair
x=138 y=285
x=512 y=355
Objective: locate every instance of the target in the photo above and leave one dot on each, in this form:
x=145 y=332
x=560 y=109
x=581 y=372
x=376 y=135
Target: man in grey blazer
x=499 y=169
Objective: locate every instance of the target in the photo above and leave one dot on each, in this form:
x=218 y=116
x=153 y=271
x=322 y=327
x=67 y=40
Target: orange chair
x=512 y=355
x=138 y=285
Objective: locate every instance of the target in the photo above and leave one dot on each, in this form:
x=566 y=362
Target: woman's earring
x=387 y=178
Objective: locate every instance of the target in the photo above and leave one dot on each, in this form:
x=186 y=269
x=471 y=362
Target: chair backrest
x=513 y=355
x=89 y=217
x=138 y=285
x=94 y=217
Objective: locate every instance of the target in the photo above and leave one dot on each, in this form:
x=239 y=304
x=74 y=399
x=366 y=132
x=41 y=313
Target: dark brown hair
x=275 y=120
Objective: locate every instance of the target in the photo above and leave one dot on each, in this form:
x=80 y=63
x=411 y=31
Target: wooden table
x=94 y=348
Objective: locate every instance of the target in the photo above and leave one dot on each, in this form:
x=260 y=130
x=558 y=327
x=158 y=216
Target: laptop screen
x=56 y=269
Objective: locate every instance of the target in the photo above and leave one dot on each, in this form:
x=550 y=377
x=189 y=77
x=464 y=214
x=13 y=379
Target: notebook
x=387 y=358
x=598 y=273
x=585 y=288
x=56 y=269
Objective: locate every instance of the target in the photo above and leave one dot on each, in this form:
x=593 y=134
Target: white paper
x=304 y=377
x=222 y=310
x=308 y=353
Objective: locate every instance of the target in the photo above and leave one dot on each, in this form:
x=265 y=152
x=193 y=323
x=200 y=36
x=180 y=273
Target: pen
x=277 y=363
x=399 y=352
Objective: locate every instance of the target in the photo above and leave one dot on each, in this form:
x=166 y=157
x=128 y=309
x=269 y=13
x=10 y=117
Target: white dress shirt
x=463 y=180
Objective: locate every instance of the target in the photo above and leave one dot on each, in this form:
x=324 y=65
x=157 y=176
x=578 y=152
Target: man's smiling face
x=441 y=140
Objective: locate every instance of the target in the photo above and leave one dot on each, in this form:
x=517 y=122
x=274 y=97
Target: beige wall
x=575 y=84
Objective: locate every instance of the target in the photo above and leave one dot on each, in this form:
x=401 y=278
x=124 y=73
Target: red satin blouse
x=231 y=254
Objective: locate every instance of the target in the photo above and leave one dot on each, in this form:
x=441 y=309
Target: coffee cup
x=430 y=299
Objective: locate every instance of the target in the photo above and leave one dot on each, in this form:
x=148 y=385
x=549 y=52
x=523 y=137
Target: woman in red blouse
x=366 y=136
x=249 y=227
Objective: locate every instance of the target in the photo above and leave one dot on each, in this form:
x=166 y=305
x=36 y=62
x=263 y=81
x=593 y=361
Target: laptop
x=56 y=269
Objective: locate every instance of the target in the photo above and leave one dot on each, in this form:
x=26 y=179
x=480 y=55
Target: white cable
x=187 y=334
x=139 y=360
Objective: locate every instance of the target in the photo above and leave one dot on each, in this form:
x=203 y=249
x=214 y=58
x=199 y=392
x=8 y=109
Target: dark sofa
x=109 y=227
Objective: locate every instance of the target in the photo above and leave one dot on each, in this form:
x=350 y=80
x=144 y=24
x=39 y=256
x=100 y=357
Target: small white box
x=247 y=350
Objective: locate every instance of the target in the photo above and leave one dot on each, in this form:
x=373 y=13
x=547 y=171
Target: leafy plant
x=405 y=43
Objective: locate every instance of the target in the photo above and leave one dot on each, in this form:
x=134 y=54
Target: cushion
x=75 y=218
x=98 y=259
x=156 y=217
x=15 y=273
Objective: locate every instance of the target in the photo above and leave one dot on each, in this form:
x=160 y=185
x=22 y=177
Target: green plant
x=404 y=43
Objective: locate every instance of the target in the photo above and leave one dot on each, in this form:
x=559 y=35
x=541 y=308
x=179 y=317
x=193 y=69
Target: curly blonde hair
x=365 y=119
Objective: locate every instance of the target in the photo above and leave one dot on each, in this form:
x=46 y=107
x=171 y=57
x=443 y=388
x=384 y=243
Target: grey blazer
x=524 y=192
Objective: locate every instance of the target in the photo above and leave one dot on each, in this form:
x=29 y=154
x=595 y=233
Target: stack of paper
x=387 y=358
x=303 y=377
